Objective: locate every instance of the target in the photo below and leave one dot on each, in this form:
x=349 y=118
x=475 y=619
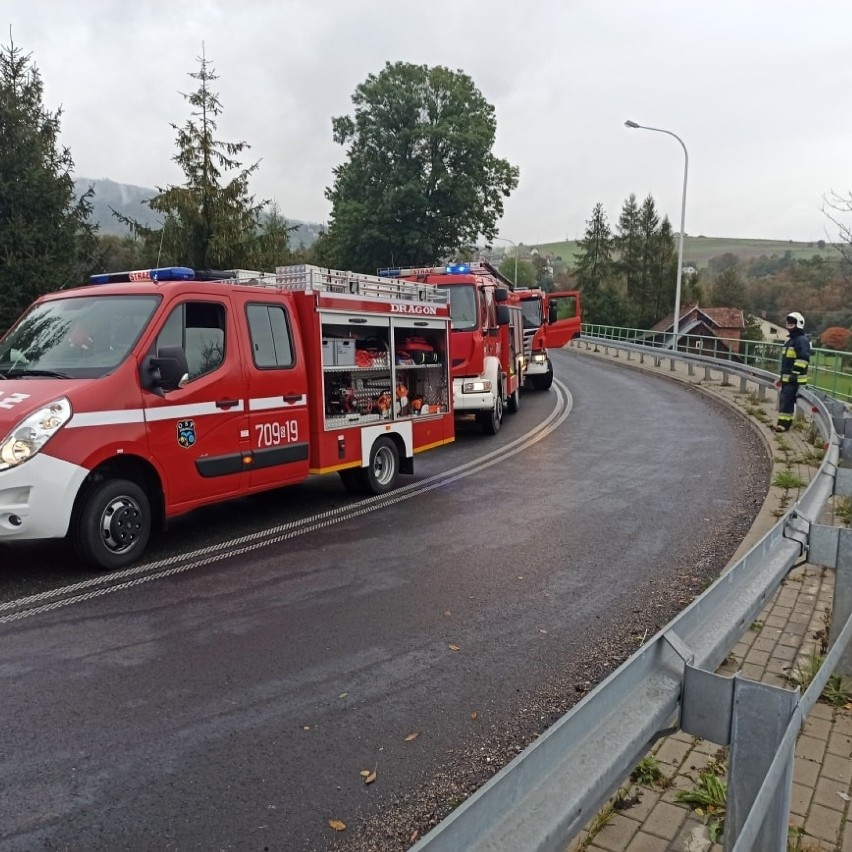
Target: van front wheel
x=113 y=524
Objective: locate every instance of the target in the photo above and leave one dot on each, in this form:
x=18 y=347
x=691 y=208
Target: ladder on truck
x=317 y=279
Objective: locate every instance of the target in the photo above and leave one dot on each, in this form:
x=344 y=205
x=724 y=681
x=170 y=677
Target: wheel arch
x=135 y=469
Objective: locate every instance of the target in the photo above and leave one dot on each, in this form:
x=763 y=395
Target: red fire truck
x=550 y=321
x=148 y=394
x=486 y=343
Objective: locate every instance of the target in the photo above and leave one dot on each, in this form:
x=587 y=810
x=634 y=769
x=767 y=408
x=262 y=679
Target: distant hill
x=128 y=200
x=698 y=251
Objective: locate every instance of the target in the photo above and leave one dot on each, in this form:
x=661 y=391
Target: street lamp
x=505 y=239
x=676 y=327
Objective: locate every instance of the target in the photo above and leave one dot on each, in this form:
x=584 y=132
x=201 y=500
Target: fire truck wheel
x=491 y=420
x=514 y=401
x=113 y=524
x=544 y=382
x=381 y=473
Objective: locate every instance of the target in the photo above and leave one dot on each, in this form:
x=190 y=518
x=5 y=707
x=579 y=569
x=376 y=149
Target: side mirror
x=167 y=371
x=503 y=317
x=501 y=294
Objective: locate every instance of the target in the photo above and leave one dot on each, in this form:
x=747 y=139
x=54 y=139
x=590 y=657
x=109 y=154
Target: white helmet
x=795 y=318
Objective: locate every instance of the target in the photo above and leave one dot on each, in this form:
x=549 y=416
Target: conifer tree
x=629 y=244
x=46 y=240
x=596 y=272
x=210 y=222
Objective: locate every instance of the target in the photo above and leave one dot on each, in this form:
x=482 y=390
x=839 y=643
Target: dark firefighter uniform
x=795 y=358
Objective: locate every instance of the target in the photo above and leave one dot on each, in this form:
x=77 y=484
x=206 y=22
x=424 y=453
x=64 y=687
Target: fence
x=829 y=371
x=542 y=799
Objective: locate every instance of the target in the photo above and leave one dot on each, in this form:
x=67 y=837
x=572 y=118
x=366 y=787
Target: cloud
x=756 y=91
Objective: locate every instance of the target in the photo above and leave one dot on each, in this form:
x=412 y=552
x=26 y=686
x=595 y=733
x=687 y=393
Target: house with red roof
x=705 y=331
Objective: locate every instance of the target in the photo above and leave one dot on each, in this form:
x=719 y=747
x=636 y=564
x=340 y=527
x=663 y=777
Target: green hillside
x=697 y=251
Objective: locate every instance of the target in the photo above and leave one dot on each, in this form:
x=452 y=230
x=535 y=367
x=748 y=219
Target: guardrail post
x=641 y=357
x=672 y=364
x=707 y=376
x=831 y=547
x=761 y=392
x=761 y=714
x=657 y=361
x=743 y=384
x=690 y=369
x=726 y=379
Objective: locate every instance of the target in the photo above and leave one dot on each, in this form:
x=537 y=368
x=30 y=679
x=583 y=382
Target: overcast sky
x=758 y=90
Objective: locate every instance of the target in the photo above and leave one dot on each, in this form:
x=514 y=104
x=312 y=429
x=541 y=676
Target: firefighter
x=795 y=357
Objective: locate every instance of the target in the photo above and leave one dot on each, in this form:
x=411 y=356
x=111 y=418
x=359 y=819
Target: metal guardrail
x=544 y=797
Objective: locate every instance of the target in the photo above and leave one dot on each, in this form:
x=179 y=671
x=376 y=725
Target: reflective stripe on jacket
x=795 y=357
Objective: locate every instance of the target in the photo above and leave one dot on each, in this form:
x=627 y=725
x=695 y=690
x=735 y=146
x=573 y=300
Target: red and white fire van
x=144 y=395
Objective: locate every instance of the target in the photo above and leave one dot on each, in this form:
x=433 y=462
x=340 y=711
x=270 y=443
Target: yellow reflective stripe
x=802 y=380
x=786 y=378
x=791 y=353
x=802 y=365
x=785 y=417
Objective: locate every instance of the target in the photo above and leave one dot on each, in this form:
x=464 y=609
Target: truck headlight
x=539 y=358
x=32 y=433
x=476 y=387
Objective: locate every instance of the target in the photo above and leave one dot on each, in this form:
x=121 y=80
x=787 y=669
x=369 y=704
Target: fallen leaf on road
x=343 y=695
x=542 y=630
x=454 y=647
x=474 y=715
x=371 y=776
x=412 y=736
x=337 y=824
x=365 y=773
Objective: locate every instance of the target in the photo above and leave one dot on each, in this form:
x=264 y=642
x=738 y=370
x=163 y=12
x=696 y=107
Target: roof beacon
x=165 y=273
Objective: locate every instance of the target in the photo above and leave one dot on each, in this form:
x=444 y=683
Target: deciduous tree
x=420 y=180
x=46 y=240
x=837 y=338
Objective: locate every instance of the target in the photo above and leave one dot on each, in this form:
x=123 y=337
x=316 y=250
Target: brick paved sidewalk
x=779 y=647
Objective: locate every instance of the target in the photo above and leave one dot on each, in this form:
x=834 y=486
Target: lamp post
x=505 y=239
x=676 y=327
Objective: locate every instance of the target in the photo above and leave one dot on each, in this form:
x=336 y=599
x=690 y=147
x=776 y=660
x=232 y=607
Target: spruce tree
x=628 y=242
x=209 y=222
x=596 y=273
x=46 y=240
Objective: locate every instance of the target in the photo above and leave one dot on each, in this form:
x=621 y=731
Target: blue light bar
x=458 y=269
x=390 y=272
x=164 y=273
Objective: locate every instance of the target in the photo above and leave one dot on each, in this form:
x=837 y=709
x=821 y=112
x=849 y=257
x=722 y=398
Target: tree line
x=419 y=183
x=628 y=275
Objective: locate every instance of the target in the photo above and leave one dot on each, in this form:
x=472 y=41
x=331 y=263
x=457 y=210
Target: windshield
x=531 y=309
x=463 y=309
x=83 y=337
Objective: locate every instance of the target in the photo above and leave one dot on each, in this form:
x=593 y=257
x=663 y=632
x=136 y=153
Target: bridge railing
x=543 y=798
x=829 y=370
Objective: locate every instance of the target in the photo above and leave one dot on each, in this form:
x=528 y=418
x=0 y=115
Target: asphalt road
x=233 y=699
